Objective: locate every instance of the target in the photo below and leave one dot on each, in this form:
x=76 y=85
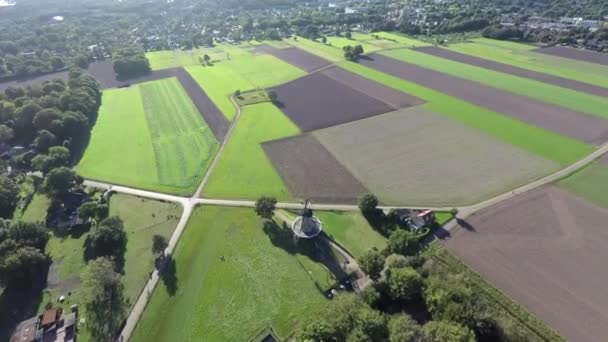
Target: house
x=50 y=326
x=63 y=214
x=415 y=219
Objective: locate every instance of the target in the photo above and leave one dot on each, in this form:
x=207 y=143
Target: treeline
x=130 y=62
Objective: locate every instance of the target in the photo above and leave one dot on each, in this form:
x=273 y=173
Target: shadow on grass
x=317 y=249
x=168 y=275
x=20 y=303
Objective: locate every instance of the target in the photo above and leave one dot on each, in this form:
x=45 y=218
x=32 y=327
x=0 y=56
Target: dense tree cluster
x=22 y=256
x=353 y=53
x=130 y=62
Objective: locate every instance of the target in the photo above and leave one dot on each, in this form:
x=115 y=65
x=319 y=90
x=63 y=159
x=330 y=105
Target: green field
x=149 y=136
x=520 y=55
x=142 y=219
x=351 y=231
x=259 y=282
x=527 y=137
x=243 y=170
x=590 y=183
x=166 y=59
x=526 y=87
x=341 y=42
x=244 y=72
x=331 y=53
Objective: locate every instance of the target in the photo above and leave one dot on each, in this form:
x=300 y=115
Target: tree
x=81 y=61
x=104 y=299
x=9 y=196
x=368 y=204
x=60 y=180
x=6 y=134
x=265 y=206
x=58 y=156
x=372 y=263
x=57 y=63
x=402 y=328
x=20 y=265
x=28 y=234
x=94 y=211
x=450 y=297
x=403 y=242
x=404 y=284
x=371 y=324
x=108 y=239
x=45 y=140
x=324 y=40
x=159 y=244
x=444 y=331
x=348 y=35
x=206 y=58
x=44 y=118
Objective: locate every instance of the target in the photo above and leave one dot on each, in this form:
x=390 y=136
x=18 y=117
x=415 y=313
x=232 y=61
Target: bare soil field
x=390 y=96
x=417 y=157
x=294 y=56
x=63 y=75
x=310 y=171
x=578 y=54
x=560 y=120
x=513 y=70
x=317 y=101
x=546 y=249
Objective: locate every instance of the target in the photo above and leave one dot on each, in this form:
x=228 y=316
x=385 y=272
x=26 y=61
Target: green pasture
x=166 y=59
x=567 y=98
x=590 y=183
x=246 y=72
x=331 y=53
x=36 y=209
x=519 y=55
x=351 y=231
x=252 y=97
x=530 y=138
x=244 y=170
x=341 y=42
x=233 y=276
x=149 y=136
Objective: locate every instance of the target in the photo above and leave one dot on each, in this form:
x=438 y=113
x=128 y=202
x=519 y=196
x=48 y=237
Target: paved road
x=190 y=203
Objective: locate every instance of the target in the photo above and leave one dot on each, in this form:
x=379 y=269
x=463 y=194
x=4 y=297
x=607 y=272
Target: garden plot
x=310 y=171
x=546 y=249
x=149 y=136
x=566 y=122
x=390 y=96
x=317 y=101
x=416 y=157
x=577 y=54
x=294 y=56
x=517 y=71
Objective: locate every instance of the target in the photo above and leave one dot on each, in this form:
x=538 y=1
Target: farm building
x=50 y=326
x=415 y=219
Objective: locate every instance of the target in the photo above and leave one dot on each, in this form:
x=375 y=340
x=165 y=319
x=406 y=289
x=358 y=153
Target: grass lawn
x=166 y=59
x=242 y=72
x=331 y=53
x=252 y=97
x=149 y=136
x=533 y=139
x=243 y=170
x=442 y=217
x=341 y=42
x=142 y=219
x=567 y=98
x=258 y=283
x=36 y=209
x=520 y=55
x=590 y=183
x=351 y=231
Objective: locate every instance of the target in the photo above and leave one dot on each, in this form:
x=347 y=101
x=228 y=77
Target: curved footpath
x=190 y=203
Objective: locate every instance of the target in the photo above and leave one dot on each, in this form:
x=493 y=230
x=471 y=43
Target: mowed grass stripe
x=522 y=86
x=244 y=170
x=183 y=143
x=520 y=55
x=541 y=142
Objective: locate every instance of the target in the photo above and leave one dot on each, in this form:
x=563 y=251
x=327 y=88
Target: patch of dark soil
x=317 y=101
x=577 y=54
x=513 y=70
x=310 y=171
x=294 y=56
x=557 y=119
